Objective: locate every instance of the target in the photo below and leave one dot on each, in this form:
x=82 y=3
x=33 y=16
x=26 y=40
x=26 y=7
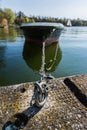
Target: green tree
x=26 y=19
x=9 y=15
x=31 y=20
x=1 y=15
x=20 y=18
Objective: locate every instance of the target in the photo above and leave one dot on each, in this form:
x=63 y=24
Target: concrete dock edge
x=65 y=108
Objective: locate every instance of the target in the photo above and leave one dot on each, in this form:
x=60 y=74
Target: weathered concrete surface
x=65 y=109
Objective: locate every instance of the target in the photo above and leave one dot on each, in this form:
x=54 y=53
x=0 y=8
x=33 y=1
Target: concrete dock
x=65 y=108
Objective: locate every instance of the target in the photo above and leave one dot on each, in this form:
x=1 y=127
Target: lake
x=21 y=62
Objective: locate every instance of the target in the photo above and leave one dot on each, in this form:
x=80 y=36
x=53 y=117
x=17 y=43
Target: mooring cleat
x=40 y=86
x=41 y=93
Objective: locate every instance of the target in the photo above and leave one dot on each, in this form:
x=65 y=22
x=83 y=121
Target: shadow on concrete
x=21 y=119
x=76 y=91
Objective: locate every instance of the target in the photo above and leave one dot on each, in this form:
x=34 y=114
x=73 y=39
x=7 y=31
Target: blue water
x=20 y=63
x=73 y=43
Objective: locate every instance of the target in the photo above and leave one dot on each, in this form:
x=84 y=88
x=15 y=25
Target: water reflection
x=2 y=56
x=32 y=55
x=71 y=33
x=9 y=34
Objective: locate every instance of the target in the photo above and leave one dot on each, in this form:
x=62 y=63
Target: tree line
x=20 y=17
x=7 y=14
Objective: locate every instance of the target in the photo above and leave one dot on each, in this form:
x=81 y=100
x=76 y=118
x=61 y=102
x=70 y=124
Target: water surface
x=20 y=61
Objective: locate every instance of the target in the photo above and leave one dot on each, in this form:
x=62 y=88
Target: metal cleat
x=41 y=93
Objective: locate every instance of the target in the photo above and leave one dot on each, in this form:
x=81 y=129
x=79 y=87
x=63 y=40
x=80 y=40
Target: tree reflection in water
x=2 y=55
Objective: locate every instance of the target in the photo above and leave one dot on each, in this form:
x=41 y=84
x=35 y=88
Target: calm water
x=20 y=62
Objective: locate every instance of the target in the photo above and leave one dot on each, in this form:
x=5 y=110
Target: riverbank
x=65 y=109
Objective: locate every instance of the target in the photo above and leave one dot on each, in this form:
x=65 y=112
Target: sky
x=72 y=9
